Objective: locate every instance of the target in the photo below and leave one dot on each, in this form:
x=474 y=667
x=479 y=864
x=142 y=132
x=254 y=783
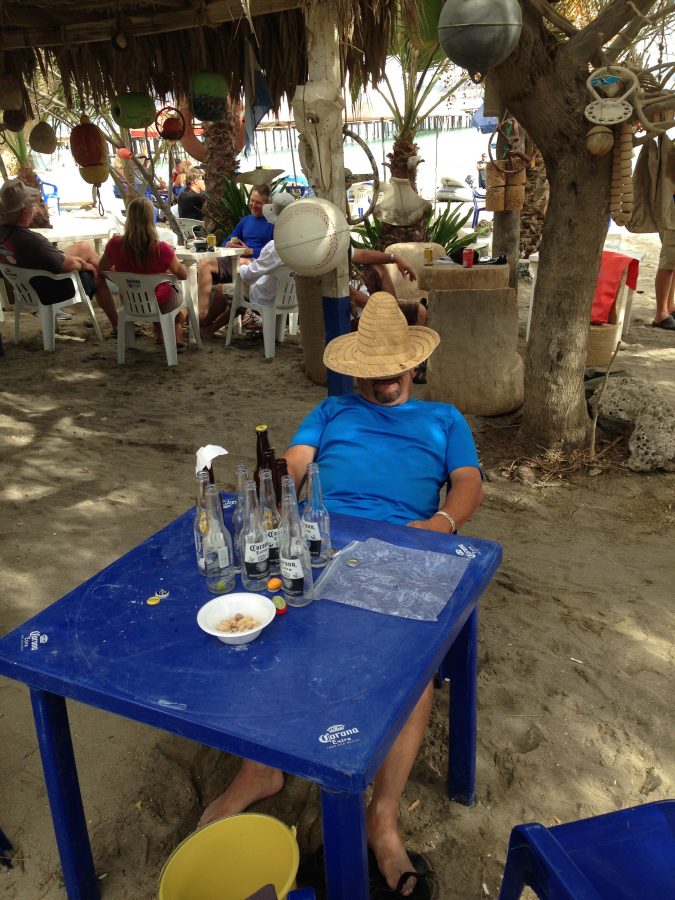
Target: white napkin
x=206 y=455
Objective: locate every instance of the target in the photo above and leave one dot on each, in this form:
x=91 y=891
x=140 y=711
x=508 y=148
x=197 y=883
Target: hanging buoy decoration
x=14 y=119
x=11 y=95
x=88 y=144
x=599 y=140
x=123 y=153
x=42 y=138
x=479 y=34
x=90 y=151
x=604 y=110
x=133 y=110
x=170 y=123
x=208 y=96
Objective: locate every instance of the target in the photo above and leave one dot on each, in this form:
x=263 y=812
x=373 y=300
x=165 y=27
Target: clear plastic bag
x=398 y=581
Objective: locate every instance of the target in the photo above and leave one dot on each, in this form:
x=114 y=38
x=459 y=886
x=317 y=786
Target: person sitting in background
x=140 y=251
x=376 y=278
x=257 y=275
x=19 y=246
x=250 y=234
x=191 y=200
x=178 y=176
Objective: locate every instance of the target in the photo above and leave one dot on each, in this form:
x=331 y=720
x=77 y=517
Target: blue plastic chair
x=623 y=855
x=478 y=197
x=48 y=194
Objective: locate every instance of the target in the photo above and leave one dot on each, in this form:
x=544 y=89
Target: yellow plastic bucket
x=232 y=859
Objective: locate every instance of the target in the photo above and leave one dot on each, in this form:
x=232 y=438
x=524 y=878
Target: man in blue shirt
x=386 y=456
x=250 y=234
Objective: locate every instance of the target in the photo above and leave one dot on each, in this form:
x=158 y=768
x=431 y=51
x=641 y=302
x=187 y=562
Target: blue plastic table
x=278 y=700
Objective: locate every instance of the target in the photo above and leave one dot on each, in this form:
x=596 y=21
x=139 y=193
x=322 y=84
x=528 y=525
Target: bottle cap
x=280 y=604
x=162 y=593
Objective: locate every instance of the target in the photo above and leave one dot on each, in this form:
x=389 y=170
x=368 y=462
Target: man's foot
x=253 y=782
x=392 y=859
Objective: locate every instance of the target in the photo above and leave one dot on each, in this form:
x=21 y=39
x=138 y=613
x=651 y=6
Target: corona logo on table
x=311 y=236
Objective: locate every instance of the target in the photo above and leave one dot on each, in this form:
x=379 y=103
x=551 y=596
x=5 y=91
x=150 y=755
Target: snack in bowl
x=236 y=618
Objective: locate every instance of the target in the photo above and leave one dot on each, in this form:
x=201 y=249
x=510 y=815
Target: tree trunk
x=554 y=412
x=543 y=83
x=220 y=159
x=534 y=211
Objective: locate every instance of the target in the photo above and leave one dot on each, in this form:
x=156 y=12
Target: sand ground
x=576 y=640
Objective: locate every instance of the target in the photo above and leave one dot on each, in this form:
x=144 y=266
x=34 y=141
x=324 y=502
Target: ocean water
x=445 y=153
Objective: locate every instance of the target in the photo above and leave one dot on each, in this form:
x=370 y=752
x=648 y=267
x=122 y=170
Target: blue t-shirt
x=254 y=231
x=386 y=462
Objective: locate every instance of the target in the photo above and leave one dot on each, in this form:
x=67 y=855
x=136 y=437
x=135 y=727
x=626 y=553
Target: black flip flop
x=425 y=879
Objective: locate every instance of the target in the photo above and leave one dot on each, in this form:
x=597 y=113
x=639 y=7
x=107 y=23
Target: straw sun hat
x=384 y=346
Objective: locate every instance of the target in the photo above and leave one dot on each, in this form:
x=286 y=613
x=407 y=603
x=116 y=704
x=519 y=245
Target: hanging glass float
x=14 y=119
x=11 y=95
x=42 y=138
x=88 y=144
x=123 y=153
x=95 y=174
x=133 y=110
x=479 y=34
x=170 y=123
x=208 y=96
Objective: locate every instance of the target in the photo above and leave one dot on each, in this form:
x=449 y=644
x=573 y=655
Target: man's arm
x=298 y=457
x=463 y=499
x=377 y=258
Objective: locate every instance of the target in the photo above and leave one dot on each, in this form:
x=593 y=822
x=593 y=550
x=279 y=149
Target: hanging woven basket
x=42 y=138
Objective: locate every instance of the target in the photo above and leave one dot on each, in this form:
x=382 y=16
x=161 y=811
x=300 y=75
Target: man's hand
x=405 y=269
x=435 y=523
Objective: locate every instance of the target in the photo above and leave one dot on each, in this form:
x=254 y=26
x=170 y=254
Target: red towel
x=609 y=277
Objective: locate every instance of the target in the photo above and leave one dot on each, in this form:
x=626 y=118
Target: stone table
x=476 y=367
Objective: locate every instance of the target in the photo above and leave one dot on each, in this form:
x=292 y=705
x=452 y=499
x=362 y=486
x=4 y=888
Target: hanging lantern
x=88 y=144
x=479 y=34
x=123 y=153
x=42 y=138
x=14 y=119
x=133 y=110
x=170 y=124
x=208 y=96
x=599 y=140
x=11 y=95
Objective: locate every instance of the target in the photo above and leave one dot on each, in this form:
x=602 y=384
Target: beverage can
x=428 y=256
x=467 y=258
x=211 y=242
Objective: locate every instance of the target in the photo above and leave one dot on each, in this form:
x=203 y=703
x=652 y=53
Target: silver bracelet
x=453 y=524
x=392 y=257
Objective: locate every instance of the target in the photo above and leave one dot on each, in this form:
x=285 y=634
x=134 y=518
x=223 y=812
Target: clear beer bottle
x=294 y=561
x=270 y=517
x=200 y=523
x=241 y=477
x=218 y=554
x=316 y=519
x=254 y=552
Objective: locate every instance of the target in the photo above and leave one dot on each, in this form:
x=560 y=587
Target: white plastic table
x=192 y=258
x=70 y=229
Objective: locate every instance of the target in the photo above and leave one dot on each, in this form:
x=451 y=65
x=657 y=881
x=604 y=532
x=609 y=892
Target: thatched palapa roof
x=172 y=39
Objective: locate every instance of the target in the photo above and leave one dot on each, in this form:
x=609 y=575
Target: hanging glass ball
x=479 y=34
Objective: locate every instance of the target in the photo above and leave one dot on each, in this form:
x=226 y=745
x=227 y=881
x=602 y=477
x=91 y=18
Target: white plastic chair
x=139 y=304
x=26 y=297
x=189 y=227
x=273 y=317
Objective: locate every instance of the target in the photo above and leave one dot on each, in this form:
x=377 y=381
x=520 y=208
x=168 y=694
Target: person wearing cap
x=19 y=246
x=250 y=234
x=383 y=456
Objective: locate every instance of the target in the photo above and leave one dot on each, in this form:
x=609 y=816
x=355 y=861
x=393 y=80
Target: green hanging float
x=208 y=96
x=133 y=110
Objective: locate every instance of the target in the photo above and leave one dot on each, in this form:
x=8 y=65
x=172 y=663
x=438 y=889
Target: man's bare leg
x=390 y=781
x=217 y=316
x=664 y=288
x=207 y=269
x=105 y=299
x=254 y=781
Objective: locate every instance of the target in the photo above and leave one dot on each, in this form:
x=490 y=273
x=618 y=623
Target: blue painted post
x=63 y=790
x=463 y=672
x=336 y=312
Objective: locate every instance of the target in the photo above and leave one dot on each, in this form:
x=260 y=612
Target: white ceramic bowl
x=228 y=605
